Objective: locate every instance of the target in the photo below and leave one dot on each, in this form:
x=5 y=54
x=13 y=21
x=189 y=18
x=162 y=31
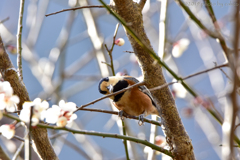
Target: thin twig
x=19 y=39
x=225 y=145
x=113 y=94
x=73 y=9
x=190 y=76
x=110 y=50
x=223 y=72
x=129 y=51
x=215 y=23
x=207 y=70
x=106 y=63
x=4 y=20
x=162 y=86
x=104 y=135
x=127 y=116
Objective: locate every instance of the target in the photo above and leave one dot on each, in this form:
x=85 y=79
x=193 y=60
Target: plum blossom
x=119 y=42
x=179 y=47
x=8 y=130
x=39 y=111
x=61 y=114
x=5 y=87
x=8 y=102
x=7 y=99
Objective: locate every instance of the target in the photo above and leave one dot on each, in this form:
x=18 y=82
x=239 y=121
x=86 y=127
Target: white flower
x=53 y=114
x=39 y=111
x=62 y=121
x=8 y=102
x=119 y=42
x=7 y=130
x=179 y=47
x=40 y=108
x=61 y=114
x=6 y=88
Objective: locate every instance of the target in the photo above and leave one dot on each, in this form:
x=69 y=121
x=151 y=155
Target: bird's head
x=109 y=85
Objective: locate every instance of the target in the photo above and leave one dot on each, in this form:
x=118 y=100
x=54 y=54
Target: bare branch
x=104 y=135
x=129 y=51
x=4 y=20
x=73 y=9
x=127 y=116
x=19 y=38
x=205 y=71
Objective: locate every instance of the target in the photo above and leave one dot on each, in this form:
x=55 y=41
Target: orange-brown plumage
x=135 y=102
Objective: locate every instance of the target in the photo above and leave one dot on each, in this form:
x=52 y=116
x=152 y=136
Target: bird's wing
x=142 y=88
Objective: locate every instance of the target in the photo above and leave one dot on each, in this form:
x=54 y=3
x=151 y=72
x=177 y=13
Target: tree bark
x=39 y=135
x=176 y=136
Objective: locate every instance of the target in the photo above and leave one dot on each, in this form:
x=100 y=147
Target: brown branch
x=116 y=113
x=73 y=9
x=234 y=96
x=113 y=94
x=224 y=72
x=9 y=73
x=129 y=51
x=190 y=76
x=4 y=20
x=207 y=70
x=142 y=4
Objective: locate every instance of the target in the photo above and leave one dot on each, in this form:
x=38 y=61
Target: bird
x=137 y=101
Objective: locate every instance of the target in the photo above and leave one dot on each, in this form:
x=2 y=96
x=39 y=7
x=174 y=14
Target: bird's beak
x=110 y=88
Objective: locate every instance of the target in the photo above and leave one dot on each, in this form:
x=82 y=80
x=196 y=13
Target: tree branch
x=104 y=135
x=4 y=20
x=142 y=4
x=19 y=38
x=127 y=116
x=73 y=9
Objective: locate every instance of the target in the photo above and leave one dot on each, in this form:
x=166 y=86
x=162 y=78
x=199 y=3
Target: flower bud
x=119 y=42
